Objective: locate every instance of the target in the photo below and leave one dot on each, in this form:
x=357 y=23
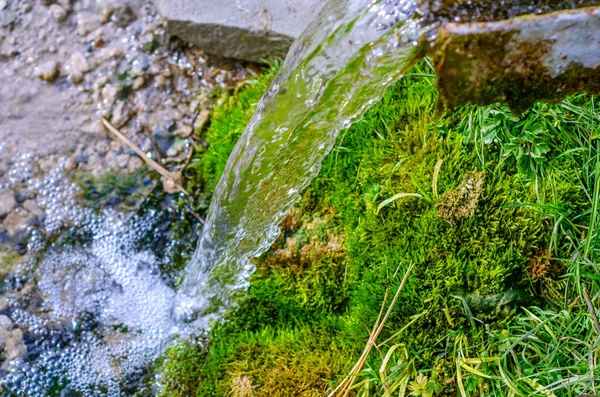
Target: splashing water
x=341 y=65
x=100 y=310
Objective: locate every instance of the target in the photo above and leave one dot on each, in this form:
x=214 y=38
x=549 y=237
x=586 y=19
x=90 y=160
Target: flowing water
x=340 y=66
x=108 y=312
x=101 y=310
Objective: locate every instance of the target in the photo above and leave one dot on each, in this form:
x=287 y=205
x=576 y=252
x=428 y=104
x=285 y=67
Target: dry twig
x=171 y=177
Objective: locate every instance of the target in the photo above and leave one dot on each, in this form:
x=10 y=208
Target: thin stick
x=151 y=163
x=592 y=310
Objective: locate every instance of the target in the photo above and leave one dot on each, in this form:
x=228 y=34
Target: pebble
x=70 y=164
x=31 y=206
x=58 y=12
x=15 y=222
x=3 y=303
x=3 y=4
x=161 y=81
x=183 y=131
x=5 y=322
x=46 y=3
x=122 y=112
x=122 y=160
x=109 y=94
x=47 y=71
x=7 y=203
x=102 y=148
x=172 y=152
x=138 y=83
x=66 y=4
x=78 y=66
x=134 y=164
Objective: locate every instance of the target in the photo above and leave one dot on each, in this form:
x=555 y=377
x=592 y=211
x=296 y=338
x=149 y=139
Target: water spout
x=339 y=67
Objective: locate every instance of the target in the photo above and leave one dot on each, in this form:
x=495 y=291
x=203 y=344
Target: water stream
x=341 y=65
x=107 y=311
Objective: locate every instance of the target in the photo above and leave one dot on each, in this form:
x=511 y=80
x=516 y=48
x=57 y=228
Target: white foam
x=110 y=277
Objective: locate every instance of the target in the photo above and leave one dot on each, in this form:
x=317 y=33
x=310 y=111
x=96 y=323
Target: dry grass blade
x=436 y=175
x=151 y=163
x=343 y=389
x=396 y=197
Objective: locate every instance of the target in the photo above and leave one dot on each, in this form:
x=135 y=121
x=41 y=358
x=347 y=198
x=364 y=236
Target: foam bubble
x=105 y=311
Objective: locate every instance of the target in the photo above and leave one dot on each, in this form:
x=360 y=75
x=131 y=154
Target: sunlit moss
x=472 y=226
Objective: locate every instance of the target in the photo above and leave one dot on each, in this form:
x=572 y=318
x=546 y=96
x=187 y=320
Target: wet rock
x=47 y=71
x=16 y=221
x=7 y=203
x=542 y=57
x=248 y=29
x=163 y=140
x=58 y=12
x=22 y=194
x=33 y=208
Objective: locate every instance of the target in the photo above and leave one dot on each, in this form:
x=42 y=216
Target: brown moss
x=461 y=202
x=289 y=252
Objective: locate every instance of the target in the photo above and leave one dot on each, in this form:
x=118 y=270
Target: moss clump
x=317 y=292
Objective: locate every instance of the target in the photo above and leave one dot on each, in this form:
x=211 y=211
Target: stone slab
x=251 y=30
x=519 y=61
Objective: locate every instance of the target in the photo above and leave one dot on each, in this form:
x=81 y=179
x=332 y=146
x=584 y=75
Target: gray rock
x=78 y=65
x=58 y=12
x=244 y=29
x=33 y=208
x=17 y=221
x=7 y=203
x=47 y=71
x=3 y=4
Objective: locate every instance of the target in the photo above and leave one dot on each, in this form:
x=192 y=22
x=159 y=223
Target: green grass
x=498 y=216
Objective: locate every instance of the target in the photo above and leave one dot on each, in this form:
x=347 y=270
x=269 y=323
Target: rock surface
x=251 y=30
x=519 y=61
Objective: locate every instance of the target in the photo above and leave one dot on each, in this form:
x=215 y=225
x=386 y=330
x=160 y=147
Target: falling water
x=341 y=65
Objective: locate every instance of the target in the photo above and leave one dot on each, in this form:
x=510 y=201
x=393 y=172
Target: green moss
x=306 y=315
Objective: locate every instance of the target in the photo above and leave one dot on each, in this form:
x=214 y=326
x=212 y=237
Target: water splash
x=340 y=66
x=99 y=311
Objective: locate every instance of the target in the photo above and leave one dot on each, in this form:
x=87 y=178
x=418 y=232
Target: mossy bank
x=497 y=216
